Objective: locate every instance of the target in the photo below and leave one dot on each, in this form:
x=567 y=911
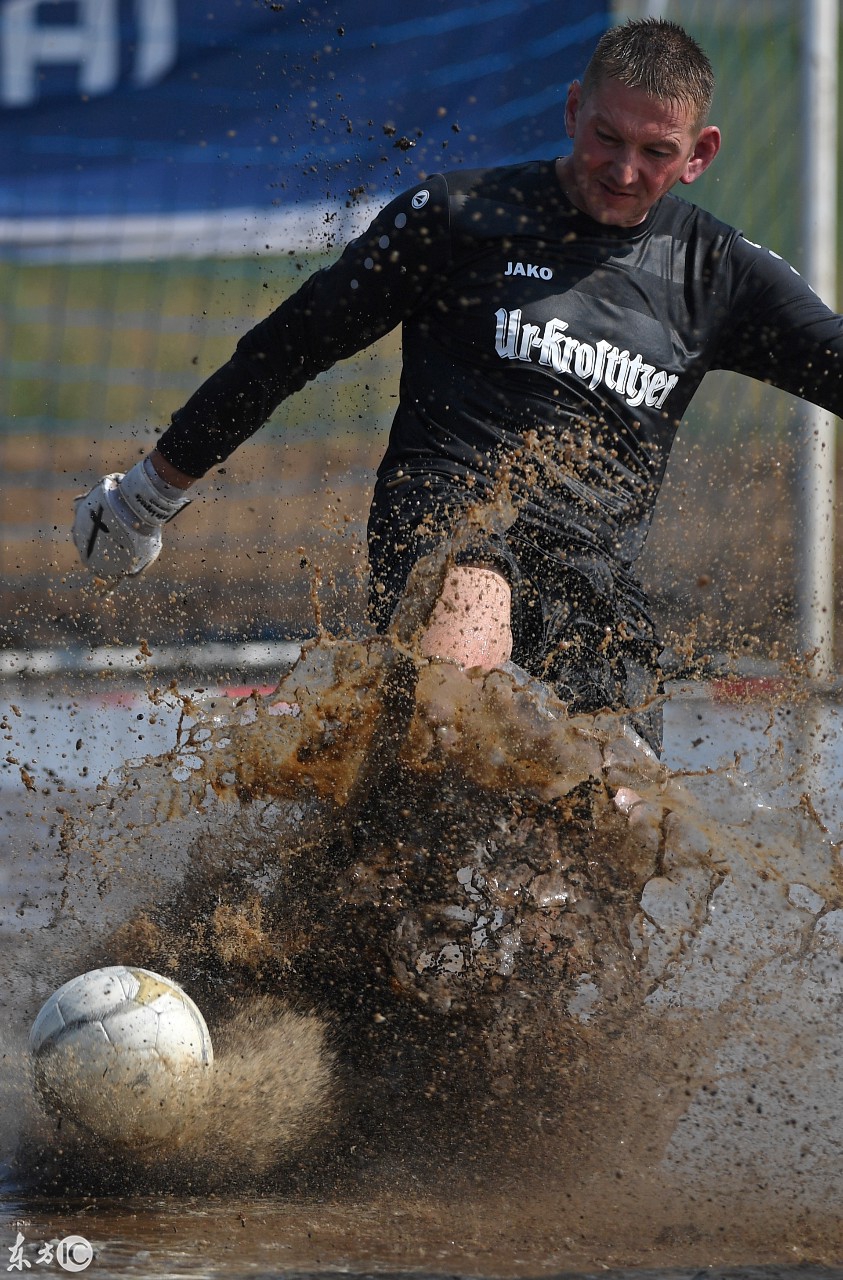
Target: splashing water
x=424 y=936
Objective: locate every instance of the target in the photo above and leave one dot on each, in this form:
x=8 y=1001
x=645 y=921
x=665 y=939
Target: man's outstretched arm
x=378 y=281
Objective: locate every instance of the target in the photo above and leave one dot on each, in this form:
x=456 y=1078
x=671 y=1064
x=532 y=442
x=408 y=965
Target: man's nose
x=625 y=168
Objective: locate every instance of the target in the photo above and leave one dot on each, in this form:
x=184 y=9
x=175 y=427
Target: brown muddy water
x=469 y=1019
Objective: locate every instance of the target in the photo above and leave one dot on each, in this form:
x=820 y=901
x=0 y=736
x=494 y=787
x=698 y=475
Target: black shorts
x=579 y=622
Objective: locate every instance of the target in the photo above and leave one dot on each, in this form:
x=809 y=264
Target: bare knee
x=470 y=623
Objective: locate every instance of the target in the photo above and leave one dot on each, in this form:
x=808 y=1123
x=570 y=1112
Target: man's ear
x=572 y=106
x=705 y=149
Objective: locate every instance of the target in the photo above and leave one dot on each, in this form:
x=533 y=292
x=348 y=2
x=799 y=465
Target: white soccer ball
x=122 y=1052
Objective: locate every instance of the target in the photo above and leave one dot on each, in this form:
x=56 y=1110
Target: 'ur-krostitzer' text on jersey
x=534 y=340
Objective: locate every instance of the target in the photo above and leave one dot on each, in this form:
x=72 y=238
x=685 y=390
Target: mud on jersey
x=535 y=341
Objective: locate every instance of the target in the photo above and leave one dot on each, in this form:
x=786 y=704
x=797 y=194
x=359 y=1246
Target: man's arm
x=780 y=332
x=379 y=280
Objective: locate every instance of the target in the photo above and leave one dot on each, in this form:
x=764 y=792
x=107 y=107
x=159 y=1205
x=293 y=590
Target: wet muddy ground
x=670 y=1101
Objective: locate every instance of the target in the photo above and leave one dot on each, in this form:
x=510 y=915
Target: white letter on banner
x=157 y=41
x=92 y=43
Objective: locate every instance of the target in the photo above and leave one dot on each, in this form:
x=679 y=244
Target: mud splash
x=425 y=938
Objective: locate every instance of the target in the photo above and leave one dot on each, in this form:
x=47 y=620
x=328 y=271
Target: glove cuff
x=148 y=497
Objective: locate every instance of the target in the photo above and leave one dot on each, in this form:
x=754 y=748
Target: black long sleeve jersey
x=535 y=341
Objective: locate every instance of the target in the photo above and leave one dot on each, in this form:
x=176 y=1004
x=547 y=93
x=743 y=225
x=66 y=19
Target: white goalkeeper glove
x=117 y=528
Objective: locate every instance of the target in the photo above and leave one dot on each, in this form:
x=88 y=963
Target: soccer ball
x=122 y=1052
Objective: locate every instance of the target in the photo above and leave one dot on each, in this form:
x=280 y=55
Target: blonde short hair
x=657 y=56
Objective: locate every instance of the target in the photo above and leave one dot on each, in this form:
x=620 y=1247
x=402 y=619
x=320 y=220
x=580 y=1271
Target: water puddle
x=470 y=1018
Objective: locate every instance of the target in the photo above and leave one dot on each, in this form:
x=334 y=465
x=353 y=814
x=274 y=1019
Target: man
x=557 y=318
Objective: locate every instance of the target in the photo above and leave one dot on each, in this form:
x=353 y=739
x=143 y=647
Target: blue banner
x=149 y=109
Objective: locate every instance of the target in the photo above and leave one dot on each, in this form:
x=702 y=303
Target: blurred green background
x=95 y=356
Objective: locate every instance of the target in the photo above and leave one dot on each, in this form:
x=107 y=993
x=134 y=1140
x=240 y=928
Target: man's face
x=629 y=150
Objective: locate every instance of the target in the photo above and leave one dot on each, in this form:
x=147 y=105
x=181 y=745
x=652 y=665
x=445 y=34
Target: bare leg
x=470 y=623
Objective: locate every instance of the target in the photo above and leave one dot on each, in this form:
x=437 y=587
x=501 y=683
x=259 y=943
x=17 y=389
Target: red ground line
x=749 y=688
x=246 y=690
